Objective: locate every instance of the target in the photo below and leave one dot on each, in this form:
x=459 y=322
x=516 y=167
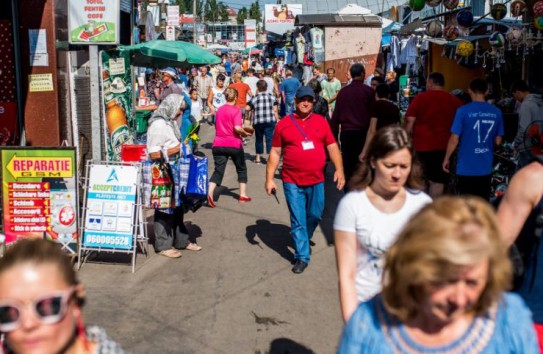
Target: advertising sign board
x=93 y=21
x=110 y=207
x=39 y=194
x=280 y=18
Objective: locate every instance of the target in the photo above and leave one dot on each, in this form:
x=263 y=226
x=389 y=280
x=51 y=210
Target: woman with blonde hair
x=228 y=143
x=41 y=303
x=444 y=289
x=384 y=193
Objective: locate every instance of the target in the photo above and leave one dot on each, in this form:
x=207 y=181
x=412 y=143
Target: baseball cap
x=305 y=91
x=169 y=71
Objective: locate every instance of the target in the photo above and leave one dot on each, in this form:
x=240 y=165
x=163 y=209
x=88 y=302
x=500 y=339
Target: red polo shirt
x=303 y=167
x=434 y=112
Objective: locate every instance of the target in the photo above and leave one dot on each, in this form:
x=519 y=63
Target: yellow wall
x=456 y=76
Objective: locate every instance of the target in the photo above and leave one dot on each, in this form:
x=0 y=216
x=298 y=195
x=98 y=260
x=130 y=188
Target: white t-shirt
x=375 y=232
x=251 y=81
x=196 y=109
x=271 y=84
x=219 y=99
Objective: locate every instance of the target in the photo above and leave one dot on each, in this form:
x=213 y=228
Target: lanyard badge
x=306 y=143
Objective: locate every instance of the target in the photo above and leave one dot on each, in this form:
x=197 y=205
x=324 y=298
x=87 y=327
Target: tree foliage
x=243 y=14
x=215 y=11
x=254 y=12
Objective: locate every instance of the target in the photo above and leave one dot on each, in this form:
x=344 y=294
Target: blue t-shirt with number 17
x=477 y=124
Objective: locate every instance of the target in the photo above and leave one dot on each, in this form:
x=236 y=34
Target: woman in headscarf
x=164 y=139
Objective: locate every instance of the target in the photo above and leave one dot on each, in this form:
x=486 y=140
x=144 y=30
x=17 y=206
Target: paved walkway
x=238 y=295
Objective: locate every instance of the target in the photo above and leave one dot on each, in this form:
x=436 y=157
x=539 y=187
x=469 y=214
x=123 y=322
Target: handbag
x=248 y=126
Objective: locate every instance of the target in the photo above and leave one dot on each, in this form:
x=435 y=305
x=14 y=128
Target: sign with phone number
x=110 y=207
x=108 y=241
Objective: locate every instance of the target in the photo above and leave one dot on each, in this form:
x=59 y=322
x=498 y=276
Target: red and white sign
x=250 y=33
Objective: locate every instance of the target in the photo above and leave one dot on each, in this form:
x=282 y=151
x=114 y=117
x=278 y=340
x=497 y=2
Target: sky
x=238 y=4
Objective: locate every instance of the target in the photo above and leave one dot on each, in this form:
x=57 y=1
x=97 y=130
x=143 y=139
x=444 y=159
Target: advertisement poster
x=280 y=18
x=116 y=84
x=111 y=199
x=39 y=190
x=93 y=21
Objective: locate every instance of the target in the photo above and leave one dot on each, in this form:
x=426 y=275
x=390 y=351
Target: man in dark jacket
x=352 y=115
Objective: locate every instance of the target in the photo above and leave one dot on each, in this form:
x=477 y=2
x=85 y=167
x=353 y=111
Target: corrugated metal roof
x=333 y=6
x=338 y=20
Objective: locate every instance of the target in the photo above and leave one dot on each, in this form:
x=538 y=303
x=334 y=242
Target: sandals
x=210 y=202
x=171 y=253
x=193 y=247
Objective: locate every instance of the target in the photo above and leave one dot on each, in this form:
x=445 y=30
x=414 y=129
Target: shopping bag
x=158 y=185
x=198 y=181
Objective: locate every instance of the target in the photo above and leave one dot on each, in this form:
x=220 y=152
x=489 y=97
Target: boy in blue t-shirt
x=477 y=126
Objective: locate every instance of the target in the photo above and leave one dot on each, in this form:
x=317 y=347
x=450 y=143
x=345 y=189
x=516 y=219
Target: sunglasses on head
x=48 y=309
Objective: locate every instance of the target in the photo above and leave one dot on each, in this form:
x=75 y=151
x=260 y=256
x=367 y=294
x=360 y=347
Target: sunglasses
x=48 y=309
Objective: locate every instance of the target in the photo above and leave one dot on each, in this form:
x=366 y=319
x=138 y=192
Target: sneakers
x=171 y=253
x=299 y=267
x=242 y=199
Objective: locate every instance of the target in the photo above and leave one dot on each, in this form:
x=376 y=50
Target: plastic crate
x=133 y=153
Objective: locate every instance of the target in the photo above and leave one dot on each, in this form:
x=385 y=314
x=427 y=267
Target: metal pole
x=95 y=103
x=194 y=22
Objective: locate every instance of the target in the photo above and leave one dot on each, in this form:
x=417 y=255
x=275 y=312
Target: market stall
x=117 y=84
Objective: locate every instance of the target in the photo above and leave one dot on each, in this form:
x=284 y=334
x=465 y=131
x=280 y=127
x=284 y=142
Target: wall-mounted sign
x=93 y=21
x=40 y=82
x=39 y=194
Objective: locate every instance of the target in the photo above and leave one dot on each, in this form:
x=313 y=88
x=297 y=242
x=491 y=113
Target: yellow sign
x=32 y=167
x=40 y=82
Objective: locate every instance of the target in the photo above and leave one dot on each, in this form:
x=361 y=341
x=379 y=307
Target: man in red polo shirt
x=302 y=138
x=429 y=118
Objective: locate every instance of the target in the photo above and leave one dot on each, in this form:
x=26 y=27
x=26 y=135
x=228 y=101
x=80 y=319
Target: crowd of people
x=419 y=271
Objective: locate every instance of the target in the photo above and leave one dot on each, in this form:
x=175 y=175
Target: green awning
x=161 y=53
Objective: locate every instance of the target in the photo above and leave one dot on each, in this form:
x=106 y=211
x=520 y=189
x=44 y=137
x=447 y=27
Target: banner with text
x=111 y=198
x=39 y=193
x=280 y=18
x=93 y=21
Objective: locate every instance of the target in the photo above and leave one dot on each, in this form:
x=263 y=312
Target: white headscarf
x=167 y=110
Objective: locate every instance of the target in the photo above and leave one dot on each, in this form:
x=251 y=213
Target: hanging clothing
x=393 y=59
x=300 y=48
x=317 y=38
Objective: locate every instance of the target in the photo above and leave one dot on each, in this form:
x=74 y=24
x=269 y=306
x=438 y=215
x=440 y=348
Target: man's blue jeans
x=263 y=130
x=289 y=106
x=306 y=205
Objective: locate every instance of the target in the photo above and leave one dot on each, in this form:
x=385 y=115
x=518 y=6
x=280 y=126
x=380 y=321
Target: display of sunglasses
x=48 y=309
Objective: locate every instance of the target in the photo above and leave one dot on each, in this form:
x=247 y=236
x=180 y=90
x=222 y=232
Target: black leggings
x=220 y=156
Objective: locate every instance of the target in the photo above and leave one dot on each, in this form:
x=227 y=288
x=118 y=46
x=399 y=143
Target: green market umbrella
x=161 y=53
